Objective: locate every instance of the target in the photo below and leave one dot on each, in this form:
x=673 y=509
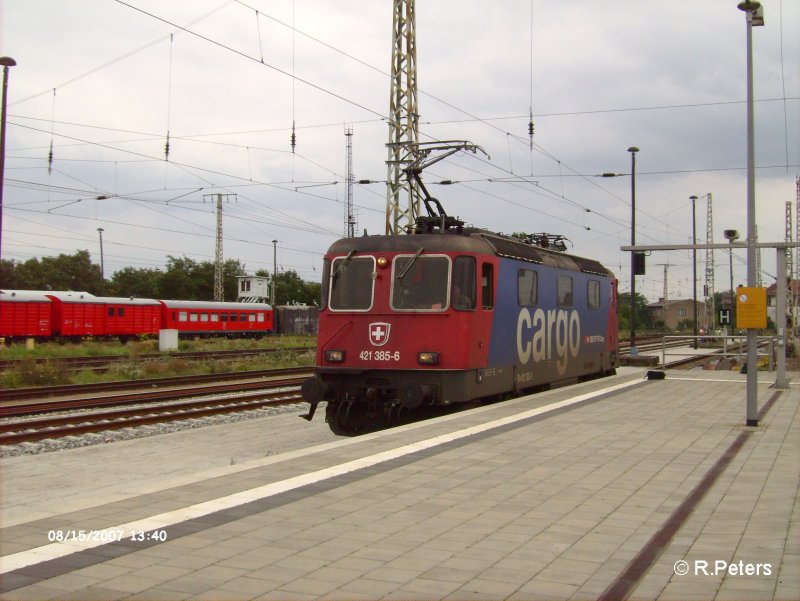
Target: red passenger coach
x=200 y=317
x=25 y=315
x=79 y=314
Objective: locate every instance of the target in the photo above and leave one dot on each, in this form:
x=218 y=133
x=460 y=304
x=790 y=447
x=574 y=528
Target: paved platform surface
x=617 y=488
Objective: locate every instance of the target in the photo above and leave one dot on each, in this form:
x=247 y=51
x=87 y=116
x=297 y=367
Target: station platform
x=620 y=488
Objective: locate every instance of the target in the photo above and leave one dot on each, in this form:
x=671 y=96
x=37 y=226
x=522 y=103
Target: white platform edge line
x=56 y=550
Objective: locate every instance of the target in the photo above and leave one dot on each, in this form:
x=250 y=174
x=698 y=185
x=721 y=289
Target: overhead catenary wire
x=561 y=175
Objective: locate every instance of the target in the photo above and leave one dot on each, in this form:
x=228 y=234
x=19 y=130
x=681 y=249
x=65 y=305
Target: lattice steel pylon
x=403 y=120
x=789 y=265
x=709 y=286
x=349 y=217
x=219 y=288
x=219 y=275
x=796 y=293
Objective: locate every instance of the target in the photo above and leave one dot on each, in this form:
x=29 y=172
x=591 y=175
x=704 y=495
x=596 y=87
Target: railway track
x=40 y=392
x=101 y=362
x=151 y=407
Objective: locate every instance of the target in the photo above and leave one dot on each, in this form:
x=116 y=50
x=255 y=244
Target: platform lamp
x=102 y=264
x=731 y=236
x=694 y=270
x=633 y=150
x=754 y=14
x=7 y=62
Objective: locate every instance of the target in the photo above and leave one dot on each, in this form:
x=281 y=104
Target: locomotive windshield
x=351 y=283
x=420 y=283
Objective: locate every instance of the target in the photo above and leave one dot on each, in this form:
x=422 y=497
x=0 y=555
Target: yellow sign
x=751 y=307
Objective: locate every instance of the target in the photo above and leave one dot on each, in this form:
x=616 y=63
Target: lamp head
x=731 y=235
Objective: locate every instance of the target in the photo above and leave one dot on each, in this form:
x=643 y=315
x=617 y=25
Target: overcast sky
x=104 y=81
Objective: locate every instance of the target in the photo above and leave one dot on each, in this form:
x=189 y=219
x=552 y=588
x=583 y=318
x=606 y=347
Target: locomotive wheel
x=347 y=418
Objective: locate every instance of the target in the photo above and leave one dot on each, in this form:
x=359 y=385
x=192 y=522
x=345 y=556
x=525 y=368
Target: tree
x=640 y=309
x=291 y=289
x=138 y=283
x=64 y=272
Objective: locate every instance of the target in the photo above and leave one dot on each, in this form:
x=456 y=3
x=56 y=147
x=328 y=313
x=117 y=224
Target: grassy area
x=30 y=373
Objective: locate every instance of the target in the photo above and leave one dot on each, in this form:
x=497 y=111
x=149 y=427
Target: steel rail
x=80 y=389
x=58 y=427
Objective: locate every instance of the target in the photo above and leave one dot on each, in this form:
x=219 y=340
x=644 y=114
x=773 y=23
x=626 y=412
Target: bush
x=30 y=373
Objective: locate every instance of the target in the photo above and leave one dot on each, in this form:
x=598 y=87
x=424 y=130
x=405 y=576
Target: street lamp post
x=694 y=270
x=633 y=150
x=274 y=271
x=753 y=16
x=7 y=62
x=102 y=264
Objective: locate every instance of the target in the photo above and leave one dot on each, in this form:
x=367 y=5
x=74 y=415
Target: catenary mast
x=403 y=121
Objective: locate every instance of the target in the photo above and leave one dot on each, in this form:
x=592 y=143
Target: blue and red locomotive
x=453 y=314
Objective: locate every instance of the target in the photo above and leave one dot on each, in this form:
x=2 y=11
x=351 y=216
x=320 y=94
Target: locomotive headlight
x=382 y=262
x=334 y=356
x=428 y=358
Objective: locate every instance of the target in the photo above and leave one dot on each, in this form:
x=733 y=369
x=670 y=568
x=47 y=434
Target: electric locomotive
x=451 y=314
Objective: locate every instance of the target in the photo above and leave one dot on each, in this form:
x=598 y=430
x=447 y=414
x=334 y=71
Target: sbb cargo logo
x=548 y=334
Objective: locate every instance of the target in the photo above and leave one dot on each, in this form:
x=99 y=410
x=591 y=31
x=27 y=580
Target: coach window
x=234 y=317
x=223 y=317
x=462 y=294
x=120 y=311
x=420 y=282
x=111 y=311
x=487 y=286
x=260 y=316
x=564 y=291
x=193 y=317
x=527 y=288
x=183 y=316
x=351 y=283
x=215 y=317
x=204 y=317
x=593 y=294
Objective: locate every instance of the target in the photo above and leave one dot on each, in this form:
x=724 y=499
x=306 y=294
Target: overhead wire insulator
x=293 y=138
x=530 y=129
x=166 y=148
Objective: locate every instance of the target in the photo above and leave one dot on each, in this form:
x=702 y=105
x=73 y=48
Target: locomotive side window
x=593 y=294
x=326 y=273
x=462 y=294
x=527 y=287
x=564 y=291
x=420 y=283
x=487 y=285
x=351 y=283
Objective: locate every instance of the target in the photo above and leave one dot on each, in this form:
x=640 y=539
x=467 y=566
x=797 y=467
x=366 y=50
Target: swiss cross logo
x=379 y=333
